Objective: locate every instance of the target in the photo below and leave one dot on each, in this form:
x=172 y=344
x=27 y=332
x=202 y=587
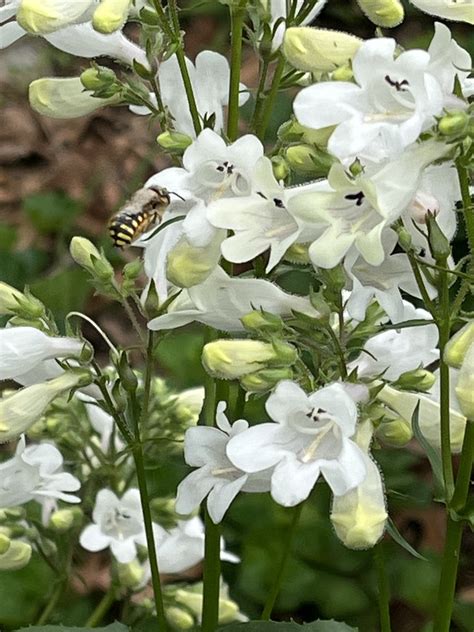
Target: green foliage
x=273 y=626
x=113 y=627
x=51 y=212
x=63 y=292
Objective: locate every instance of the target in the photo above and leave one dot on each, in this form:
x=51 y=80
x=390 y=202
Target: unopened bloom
x=22 y=348
x=384 y=13
x=118 y=524
x=45 y=16
x=14 y=302
x=35 y=473
x=64 y=98
x=319 y=50
x=465 y=385
x=311 y=437
x=17 y=556
x=217 y=477
x=458 y=346
x=110 y=15
x=279 y=9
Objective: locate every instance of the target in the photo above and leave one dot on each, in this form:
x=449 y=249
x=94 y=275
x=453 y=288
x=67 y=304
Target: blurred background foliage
x=62 y=178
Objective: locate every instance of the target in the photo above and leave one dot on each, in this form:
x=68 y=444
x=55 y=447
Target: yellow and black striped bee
x=142 y=210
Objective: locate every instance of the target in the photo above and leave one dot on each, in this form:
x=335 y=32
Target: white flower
x=209 y=77
x=461 y=10
x=183 y=547
x=118 y=524
x=217 y=478
x=35 y=473
x=222 y=300
x=311 y=438
x=279 y=9
x=395 y=351
x=259 y=221
x=449 y=60
x=22 y=348
x=354 y=211
x=388 y=106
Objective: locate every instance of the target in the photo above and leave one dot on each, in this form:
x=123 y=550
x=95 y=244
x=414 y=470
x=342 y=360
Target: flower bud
x=395 y=432
x=384 y=13
x=260 y=320
x=22 y=409
x=440 y=247
x=174 y=141
x=309 y=160
x=359 y=516
x=12 y=514
x=458 y=345
x=264 y=380
x=88 y=257
x=404 y=238
x=422 y=204
x=298 y=253
x=189 y=265
x=315 y=50
x=64 y=98
x=189 y=404
x=63 y=519
x=5 y=543
x=416 y=380
x=110 y=15
x=131 y=575
x=14 y=302
x=97 y=77
x=46 y=16
x=128 y=379
x=17 y=556
x=231 y=359
x=343 y=73
x=453 y=123
x=465 y=385
x=179 y=618
x=280 y=168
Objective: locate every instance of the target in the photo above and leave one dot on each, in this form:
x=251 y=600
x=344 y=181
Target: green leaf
x=433 y=455
x=51 y=212
x=274 y=626
x=399 y=539
x=63 y=292
x=113 y=627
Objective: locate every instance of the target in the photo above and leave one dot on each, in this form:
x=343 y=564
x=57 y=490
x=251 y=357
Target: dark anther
x=398 y=85
x=278 y=203
x=355 y=196
x=261 y=195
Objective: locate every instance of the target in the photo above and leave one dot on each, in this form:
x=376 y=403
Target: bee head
x=162 y=196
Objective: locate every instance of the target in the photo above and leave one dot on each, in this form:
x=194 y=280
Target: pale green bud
x=309 y=160
x=264 y=380
x=5 y=543
x=396 y=432
x=188 y=265
x=46 y=16
x=454 y=123
x=231 y=359
x=63 y=519
x=65 y=98
x=260 y=320
x=131 y=575
x=298 y=253
x=343 y=73
x=465 y=385
x=228 y=611
x=404 y=238
x=384 y=13
x=416 y=380
x=88 y=257
x=17 y=556
x=12 y=514
x=22 y=409
x=110 y=15
x=316 y=50
x=97 y=78
x=439 y=244
x=174 y=141
x=457 y=347
x=14 y=302
x=179 y=618
x=280 y=168
x=189 y=404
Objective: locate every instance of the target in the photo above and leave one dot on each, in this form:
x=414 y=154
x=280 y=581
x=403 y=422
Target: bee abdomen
x=124 y=228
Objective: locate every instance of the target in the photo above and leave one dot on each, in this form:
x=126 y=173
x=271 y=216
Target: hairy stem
x=270 y=99
x=237 y=16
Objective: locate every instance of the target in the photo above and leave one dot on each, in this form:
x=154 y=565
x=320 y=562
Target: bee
x=138 y=214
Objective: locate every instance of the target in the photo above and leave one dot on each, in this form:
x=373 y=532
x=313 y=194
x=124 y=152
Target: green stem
x=463 y=478
x=384 y=588
x=52 y=603
x=272 y=597
x=269 y=101
x=260 y=96
x=102 y=608
x=133 y=319
x=468 y=209
x=237 y=17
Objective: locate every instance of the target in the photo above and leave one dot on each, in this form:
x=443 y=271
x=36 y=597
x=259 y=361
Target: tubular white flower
x=22 y=348
x=216 y=477
x=311 y=438
x=35 y=473
x=319 y=50
x=459 y=10
x=22 y=409
x=45 y=16
x=448 y=60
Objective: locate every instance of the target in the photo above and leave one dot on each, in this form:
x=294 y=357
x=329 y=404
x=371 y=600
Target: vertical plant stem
x=237 y=17
x=260 y=96
x=452 y=548
x=102 y=608
x=383 y=587
x=52 y=603
x=212 y=559
x=267 y=109
x=468 y=208
x=272 y=596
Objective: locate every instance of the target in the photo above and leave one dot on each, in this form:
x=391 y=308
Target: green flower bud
x=453 y=123
x=384 y=13
x=5 y=543
x=228 y=611
x=416 y=380
x=315 y=50
x=309 y=160
x=97 y=77
x=41 y=17
x=404 y=238
x=465 y=385
x=174 y=141
x=280 y=168
x=24 y=305
x=343 y=73
x=298 y=253
x=110 y=15
x=456 y=349
x=88 y=257
x=179 y=618
x=133 y=269
x=63 y=519
x=188 y=265
x=12 y=514
x=189 y=404
x=130 y=575
x=260 y=320
x=231 y=359
x=439 y=244
x=17 y=556
x=264 y=380
x=396 y=432
x=128 y=379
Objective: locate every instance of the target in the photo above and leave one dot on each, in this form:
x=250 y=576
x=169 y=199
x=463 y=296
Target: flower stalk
x=237 y=17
